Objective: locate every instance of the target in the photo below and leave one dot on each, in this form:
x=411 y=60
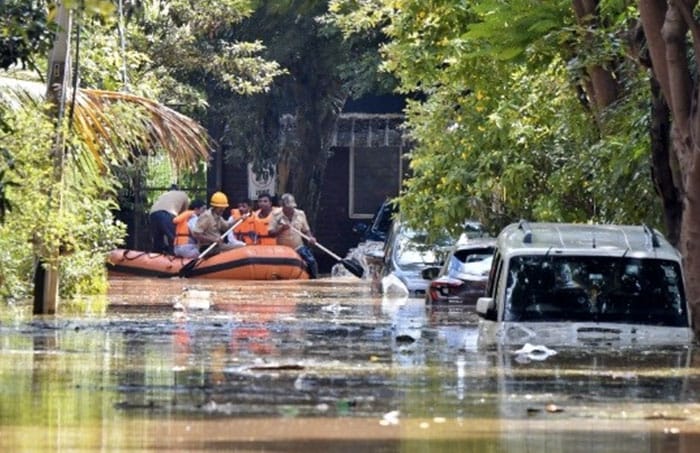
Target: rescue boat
x=256 y=262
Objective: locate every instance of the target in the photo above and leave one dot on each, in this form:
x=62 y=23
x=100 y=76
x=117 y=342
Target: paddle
x=189 y=267
x=350 y=264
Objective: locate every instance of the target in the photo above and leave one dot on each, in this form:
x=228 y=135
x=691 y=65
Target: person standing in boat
x=281 y=228
x=185 y=244
x=261 y=220
x=211 y=225
x=161 y=216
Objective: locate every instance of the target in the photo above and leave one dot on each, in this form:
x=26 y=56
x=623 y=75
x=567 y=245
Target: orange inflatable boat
x=255 y=262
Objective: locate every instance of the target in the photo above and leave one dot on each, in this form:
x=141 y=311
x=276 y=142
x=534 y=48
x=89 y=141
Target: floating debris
x=553 y=408
x=405 y=339
x=390 y=418
x=335 y=308
x=281 y=367
x=534 y=352
x=663 y=416
x=193 y=299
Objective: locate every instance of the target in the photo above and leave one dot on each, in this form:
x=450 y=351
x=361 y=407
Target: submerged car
x=378 y=228
x=463 y=277
x=413 y=257
x=572 y=284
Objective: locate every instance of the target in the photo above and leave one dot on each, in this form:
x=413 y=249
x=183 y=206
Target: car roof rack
x=527 y=232
x=651 y=234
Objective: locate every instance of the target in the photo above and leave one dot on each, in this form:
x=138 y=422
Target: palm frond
x=111 y=135
x=183 y=139
x=15 y=93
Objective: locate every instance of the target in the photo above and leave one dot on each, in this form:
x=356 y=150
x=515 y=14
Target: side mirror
x=430 y=273
x=486 y=307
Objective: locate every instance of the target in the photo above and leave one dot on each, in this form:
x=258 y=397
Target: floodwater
x=319 y=366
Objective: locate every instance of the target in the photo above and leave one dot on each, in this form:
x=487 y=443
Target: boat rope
x=138 y=255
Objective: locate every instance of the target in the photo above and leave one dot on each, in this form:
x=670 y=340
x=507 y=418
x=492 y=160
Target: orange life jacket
x=182 y=230
x=261 y=229
x=245 y=231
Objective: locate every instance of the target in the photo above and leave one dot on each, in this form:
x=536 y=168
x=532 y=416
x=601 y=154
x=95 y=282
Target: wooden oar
x=187 y=268
x=350 y=264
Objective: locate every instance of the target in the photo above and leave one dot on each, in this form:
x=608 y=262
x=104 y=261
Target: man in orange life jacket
x=185 y=244
x=244 y=232
x=261 y=220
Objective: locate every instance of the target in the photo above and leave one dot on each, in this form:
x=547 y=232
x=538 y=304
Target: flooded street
x=317 y=366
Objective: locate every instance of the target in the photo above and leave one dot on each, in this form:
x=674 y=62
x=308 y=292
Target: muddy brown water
x=320 y=366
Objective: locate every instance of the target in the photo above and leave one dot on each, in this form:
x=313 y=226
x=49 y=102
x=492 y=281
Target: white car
x=412 y=258
x=573 y=284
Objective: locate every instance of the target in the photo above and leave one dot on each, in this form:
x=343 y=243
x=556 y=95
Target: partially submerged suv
x=462 y=279
x=572 y=284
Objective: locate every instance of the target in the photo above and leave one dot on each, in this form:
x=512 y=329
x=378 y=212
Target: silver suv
x=570 y=284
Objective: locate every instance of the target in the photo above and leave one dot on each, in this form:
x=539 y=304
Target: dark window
x=375 y=177
x=595 y=289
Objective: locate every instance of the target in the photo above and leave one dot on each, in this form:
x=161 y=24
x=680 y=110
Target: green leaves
x=504 y=130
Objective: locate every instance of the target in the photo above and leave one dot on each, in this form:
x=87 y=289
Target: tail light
x=441 y=289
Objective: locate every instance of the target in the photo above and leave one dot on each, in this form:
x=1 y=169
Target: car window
x=409 y=251
x=494 y=276
x=473 y=254
x=595 y=289
x=384 y=217
x=414 y=248
x=480 y=267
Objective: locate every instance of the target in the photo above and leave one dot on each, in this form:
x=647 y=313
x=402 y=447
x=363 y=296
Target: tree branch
x=603 y=89
x=680 y=85
x=685 y=8
x=652 y=14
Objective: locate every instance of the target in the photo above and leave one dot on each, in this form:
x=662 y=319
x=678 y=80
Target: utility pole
x=58 y=80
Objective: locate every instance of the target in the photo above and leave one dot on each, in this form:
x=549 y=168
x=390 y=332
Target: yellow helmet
x=219 y=200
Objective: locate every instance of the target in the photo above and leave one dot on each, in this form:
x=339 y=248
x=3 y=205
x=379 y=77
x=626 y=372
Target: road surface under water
x=318 y=366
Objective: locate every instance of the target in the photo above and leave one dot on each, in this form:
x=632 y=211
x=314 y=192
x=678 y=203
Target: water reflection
x=314 y=366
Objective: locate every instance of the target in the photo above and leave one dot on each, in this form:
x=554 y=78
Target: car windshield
x=595 y=289
x=415 y=248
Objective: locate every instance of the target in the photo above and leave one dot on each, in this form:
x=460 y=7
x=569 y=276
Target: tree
x=174 y=45
x=672 y=34
x=508 y=125
x=73 y=186
x=290 y=125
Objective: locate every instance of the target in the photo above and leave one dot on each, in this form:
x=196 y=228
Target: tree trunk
x=690 y=243
x=315 y=117
x=602 y=88
x=670 y=53
x=307 y=175
x=314 y=127
x=661 y=168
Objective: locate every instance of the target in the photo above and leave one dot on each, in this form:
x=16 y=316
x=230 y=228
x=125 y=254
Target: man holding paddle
x=290 y=227
x=211 y=225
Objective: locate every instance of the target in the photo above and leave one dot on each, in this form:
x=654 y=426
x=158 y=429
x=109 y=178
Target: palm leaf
x=184 y=140
x=112 y=138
